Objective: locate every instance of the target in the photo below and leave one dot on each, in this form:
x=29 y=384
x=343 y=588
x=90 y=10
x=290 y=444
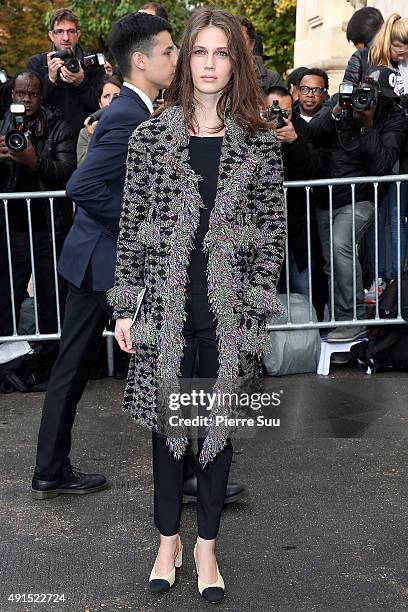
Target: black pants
x=86 y=315
x=169 y=473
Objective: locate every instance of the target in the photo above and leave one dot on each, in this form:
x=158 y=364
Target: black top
x=204 y=160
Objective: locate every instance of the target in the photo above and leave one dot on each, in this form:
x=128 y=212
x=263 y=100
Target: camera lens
x=15 y=140
x=72 y=64
x=361 y=100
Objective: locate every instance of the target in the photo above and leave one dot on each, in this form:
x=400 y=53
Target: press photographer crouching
x=37 y=153
x=109 y=90
x=301 y=162
x=359 y=133
x=71 y=78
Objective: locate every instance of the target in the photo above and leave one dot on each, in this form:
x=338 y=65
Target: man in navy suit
x=144 y=51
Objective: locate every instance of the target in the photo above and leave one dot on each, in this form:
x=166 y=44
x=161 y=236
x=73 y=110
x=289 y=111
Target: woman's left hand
x=122 y=335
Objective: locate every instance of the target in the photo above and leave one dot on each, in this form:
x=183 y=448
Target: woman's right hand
x=122 y=335
x=90 y=127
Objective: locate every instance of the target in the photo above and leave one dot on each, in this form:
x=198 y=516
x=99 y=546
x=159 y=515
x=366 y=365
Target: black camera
x=73 y=64
x=276 y=115
x=96 y=115
x=16 y=138
x=70 y=61
x=358 y=98
x=365 y=95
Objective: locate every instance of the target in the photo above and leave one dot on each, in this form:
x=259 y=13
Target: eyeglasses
x=70 y=31
x=316 y=91
x=30 y=94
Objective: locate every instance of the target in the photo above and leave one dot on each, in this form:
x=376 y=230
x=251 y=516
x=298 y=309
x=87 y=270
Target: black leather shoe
x=233 y=493
x=73 y=482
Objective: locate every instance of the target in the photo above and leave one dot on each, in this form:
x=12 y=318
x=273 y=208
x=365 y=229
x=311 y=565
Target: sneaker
x=369 y=297
x=346 y=334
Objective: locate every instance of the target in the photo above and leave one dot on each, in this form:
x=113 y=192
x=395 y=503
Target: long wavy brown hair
x=242 y=89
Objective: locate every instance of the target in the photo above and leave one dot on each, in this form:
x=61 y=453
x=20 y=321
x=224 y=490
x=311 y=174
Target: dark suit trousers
x=86 y=315
x=168 y=473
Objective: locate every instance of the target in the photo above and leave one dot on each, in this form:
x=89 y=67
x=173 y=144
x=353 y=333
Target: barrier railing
x=308 y=186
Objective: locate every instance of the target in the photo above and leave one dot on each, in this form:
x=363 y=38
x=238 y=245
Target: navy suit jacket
x=97 y=189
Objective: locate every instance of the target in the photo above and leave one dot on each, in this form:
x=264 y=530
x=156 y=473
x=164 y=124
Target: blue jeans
x=387 y=233
x=343 y=255
x=299 y=281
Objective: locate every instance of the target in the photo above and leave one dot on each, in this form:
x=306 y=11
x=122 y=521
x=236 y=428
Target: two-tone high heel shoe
x=161 y=584
x=213 y=593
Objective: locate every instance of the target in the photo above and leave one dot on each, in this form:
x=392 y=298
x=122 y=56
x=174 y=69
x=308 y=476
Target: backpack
x=293 y=351
x=387 y=346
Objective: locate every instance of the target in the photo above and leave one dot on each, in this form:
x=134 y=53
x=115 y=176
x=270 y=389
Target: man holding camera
x=68 y=84
x=37 y=153
x=359 y=133
x=300 y=162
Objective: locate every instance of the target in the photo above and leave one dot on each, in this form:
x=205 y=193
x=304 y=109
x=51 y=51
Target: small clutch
x=138 y=303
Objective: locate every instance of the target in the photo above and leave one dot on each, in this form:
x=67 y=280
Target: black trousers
x=169 y=473
x=86 y=315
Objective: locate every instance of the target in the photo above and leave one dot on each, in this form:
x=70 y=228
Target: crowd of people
x=60 y=104
x=208 y=253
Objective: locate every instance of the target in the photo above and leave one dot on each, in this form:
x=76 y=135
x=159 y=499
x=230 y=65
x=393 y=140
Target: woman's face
x=398 y=51
x=109 y=92
x=210 y=63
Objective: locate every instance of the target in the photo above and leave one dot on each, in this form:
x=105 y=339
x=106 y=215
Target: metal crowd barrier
x=7 y=198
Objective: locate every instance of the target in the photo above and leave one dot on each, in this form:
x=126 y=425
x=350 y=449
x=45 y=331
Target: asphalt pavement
x=322 y=527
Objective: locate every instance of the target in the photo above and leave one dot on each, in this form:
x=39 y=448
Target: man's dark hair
x=295 y=76
x=245 y=23
x=62 y=14
x=364 y=25
x=278 y=90
x=316 y=72
x=134 y=32
x=158 y=9
x=26 y=72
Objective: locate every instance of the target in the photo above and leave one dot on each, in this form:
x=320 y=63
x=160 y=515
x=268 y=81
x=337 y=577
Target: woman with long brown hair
x=202 y=232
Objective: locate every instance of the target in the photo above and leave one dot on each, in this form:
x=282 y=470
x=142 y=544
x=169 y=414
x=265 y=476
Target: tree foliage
x=22 y=32
x=274 y=20
x=24 y=25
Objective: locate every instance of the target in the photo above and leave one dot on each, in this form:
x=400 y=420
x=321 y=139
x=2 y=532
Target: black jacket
x=266 y=78
x=357 y=66
x=75 y=103
x=56 y=151
x=345 y=151
x=301 y=162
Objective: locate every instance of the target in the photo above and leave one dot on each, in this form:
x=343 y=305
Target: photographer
x=109 y=90
x=45 y=164
x=301 y=162
x=360 y=134
x=74 y=93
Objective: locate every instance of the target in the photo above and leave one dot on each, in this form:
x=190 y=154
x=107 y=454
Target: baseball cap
x=386 y=78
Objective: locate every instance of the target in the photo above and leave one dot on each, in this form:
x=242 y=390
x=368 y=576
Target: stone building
x=320 y=32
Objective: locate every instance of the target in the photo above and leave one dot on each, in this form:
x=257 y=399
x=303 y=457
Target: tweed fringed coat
x=244 y=245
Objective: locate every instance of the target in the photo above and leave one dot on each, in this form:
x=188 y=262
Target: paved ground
x=323 y=526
